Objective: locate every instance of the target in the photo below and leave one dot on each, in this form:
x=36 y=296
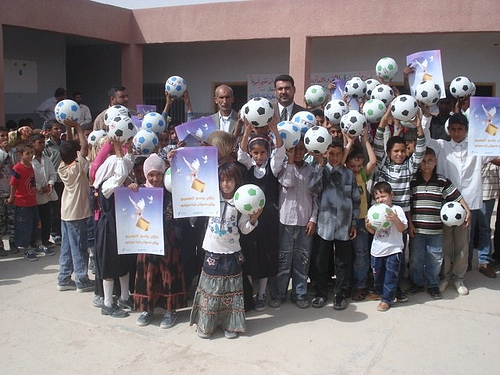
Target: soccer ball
x=315 y=95
x=317 y=139
x=460 y=87
x=452 y=214
x=116 y=111
x=67 y=109
x=377 y=216
x=144 y=142
x=122 y=128
x=334 y=110
x=370 y=85
x=404 y=107
x=167 y=179
x=155 y=122
x=290 y=133
x=374 y=110
x=258 y=111
x=384 y=93
x=305 y=119
x=353 y=123
x=249 y=198
x=95 y=135
x=428 y=92
x=355 y=88
x=386 y=68
x=176 y=86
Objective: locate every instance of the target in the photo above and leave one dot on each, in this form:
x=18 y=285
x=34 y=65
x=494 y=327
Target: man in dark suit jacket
x=285 y=107
x=225 y=118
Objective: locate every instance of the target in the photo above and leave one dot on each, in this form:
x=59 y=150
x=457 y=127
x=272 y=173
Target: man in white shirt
x=225 y=118
x=46 y=109
x=85 y=115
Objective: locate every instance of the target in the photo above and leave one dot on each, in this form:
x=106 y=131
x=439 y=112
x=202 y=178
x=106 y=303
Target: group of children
x=314 y=223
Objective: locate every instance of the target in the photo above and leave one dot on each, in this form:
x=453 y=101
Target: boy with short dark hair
x=337 y=218
x=387 y=247
x=75 y=212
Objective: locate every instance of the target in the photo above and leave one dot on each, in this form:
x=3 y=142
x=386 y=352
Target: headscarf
x=153 y=163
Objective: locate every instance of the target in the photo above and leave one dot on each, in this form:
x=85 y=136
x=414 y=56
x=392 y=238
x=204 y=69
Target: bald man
x=226 y=118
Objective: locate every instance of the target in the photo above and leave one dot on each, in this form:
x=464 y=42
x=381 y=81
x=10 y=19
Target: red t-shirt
x=23 y=178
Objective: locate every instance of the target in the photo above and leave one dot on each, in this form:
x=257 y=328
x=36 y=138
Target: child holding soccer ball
x=218 y=301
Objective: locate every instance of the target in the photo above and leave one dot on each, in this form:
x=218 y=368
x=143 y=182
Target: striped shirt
x=427 y=198
x=490 y=178
x=398 y=175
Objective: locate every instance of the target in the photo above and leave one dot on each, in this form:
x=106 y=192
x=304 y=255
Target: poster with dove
x=428 y=67
x=139 y=221
x=195 y=182
x=484 y=124
x=198 y=130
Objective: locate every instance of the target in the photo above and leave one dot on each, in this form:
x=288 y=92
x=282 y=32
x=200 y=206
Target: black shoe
x=3 y=253
x=401 y=296
x=128 y=304
x=318 y=301
x=414 y=289
x=13 y=248
x=339 y=302
x=113 y=311
x=434 y=292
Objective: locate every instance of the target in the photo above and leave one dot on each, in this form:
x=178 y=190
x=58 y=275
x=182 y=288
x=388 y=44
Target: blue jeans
x=386 y=275
x=481 y=227
x=294 y=257
x=426 y=258
x=74 y=256
x=361 y=263
x=27 y=225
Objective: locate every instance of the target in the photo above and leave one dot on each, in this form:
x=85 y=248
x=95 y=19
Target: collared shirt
x=463 y=169
x=224 y=122
x=490 y=177
x=85 y=115
x=289 y=110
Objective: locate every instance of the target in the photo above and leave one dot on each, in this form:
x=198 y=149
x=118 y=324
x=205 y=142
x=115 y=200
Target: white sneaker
x=461 y=288
x=443 y=285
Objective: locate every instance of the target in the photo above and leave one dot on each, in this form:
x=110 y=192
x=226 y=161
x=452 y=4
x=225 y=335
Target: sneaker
x=383 y=307
x=48 y=244
x=230 y=334
x=461 y=288
x=487 y=270
x=319 y=301
x=86 y=285
x=113 y=311
x=414 y=289
x=202 y=335
x=168 y=319
x=128 y=304
x=30 y=255
x=43 y=250
x=67 y=284
x=260 y=302
x=275 y=303
x=443 y=285
x=302 y=303
x=434 y=292
x=339 y=302
x=57 y=239
x=98 y=301
x=401 y=296
x=144 y=319
x=3 y=253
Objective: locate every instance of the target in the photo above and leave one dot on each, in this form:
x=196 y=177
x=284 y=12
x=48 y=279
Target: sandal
x=383 y=306
x=359 y=295
x=318 y=301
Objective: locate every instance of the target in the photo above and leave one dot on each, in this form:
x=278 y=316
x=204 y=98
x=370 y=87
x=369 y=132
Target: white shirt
x=85 y=115
x=389 y=241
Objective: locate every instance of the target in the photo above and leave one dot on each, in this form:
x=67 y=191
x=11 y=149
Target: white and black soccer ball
x=377 y=216
x=371 y=83
x=461 y=87
x=384 y=93
x=353 y=123
x=167 y=179
x=452 y=214
x=249 y=198
x=95 y=136
x=404 y=107
x=428 y=92
x=317 y=139
x=386 y=68
x=155 y=122
x=116 y=111
x=315 y=95
x=334 y=110
x=175 y=86
x=122 y=128
x=145 y=142
x=258 y=111
x=290 y=133
x=67 y=109
x=305 y=120
x=355 y=88
x=374 y=110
